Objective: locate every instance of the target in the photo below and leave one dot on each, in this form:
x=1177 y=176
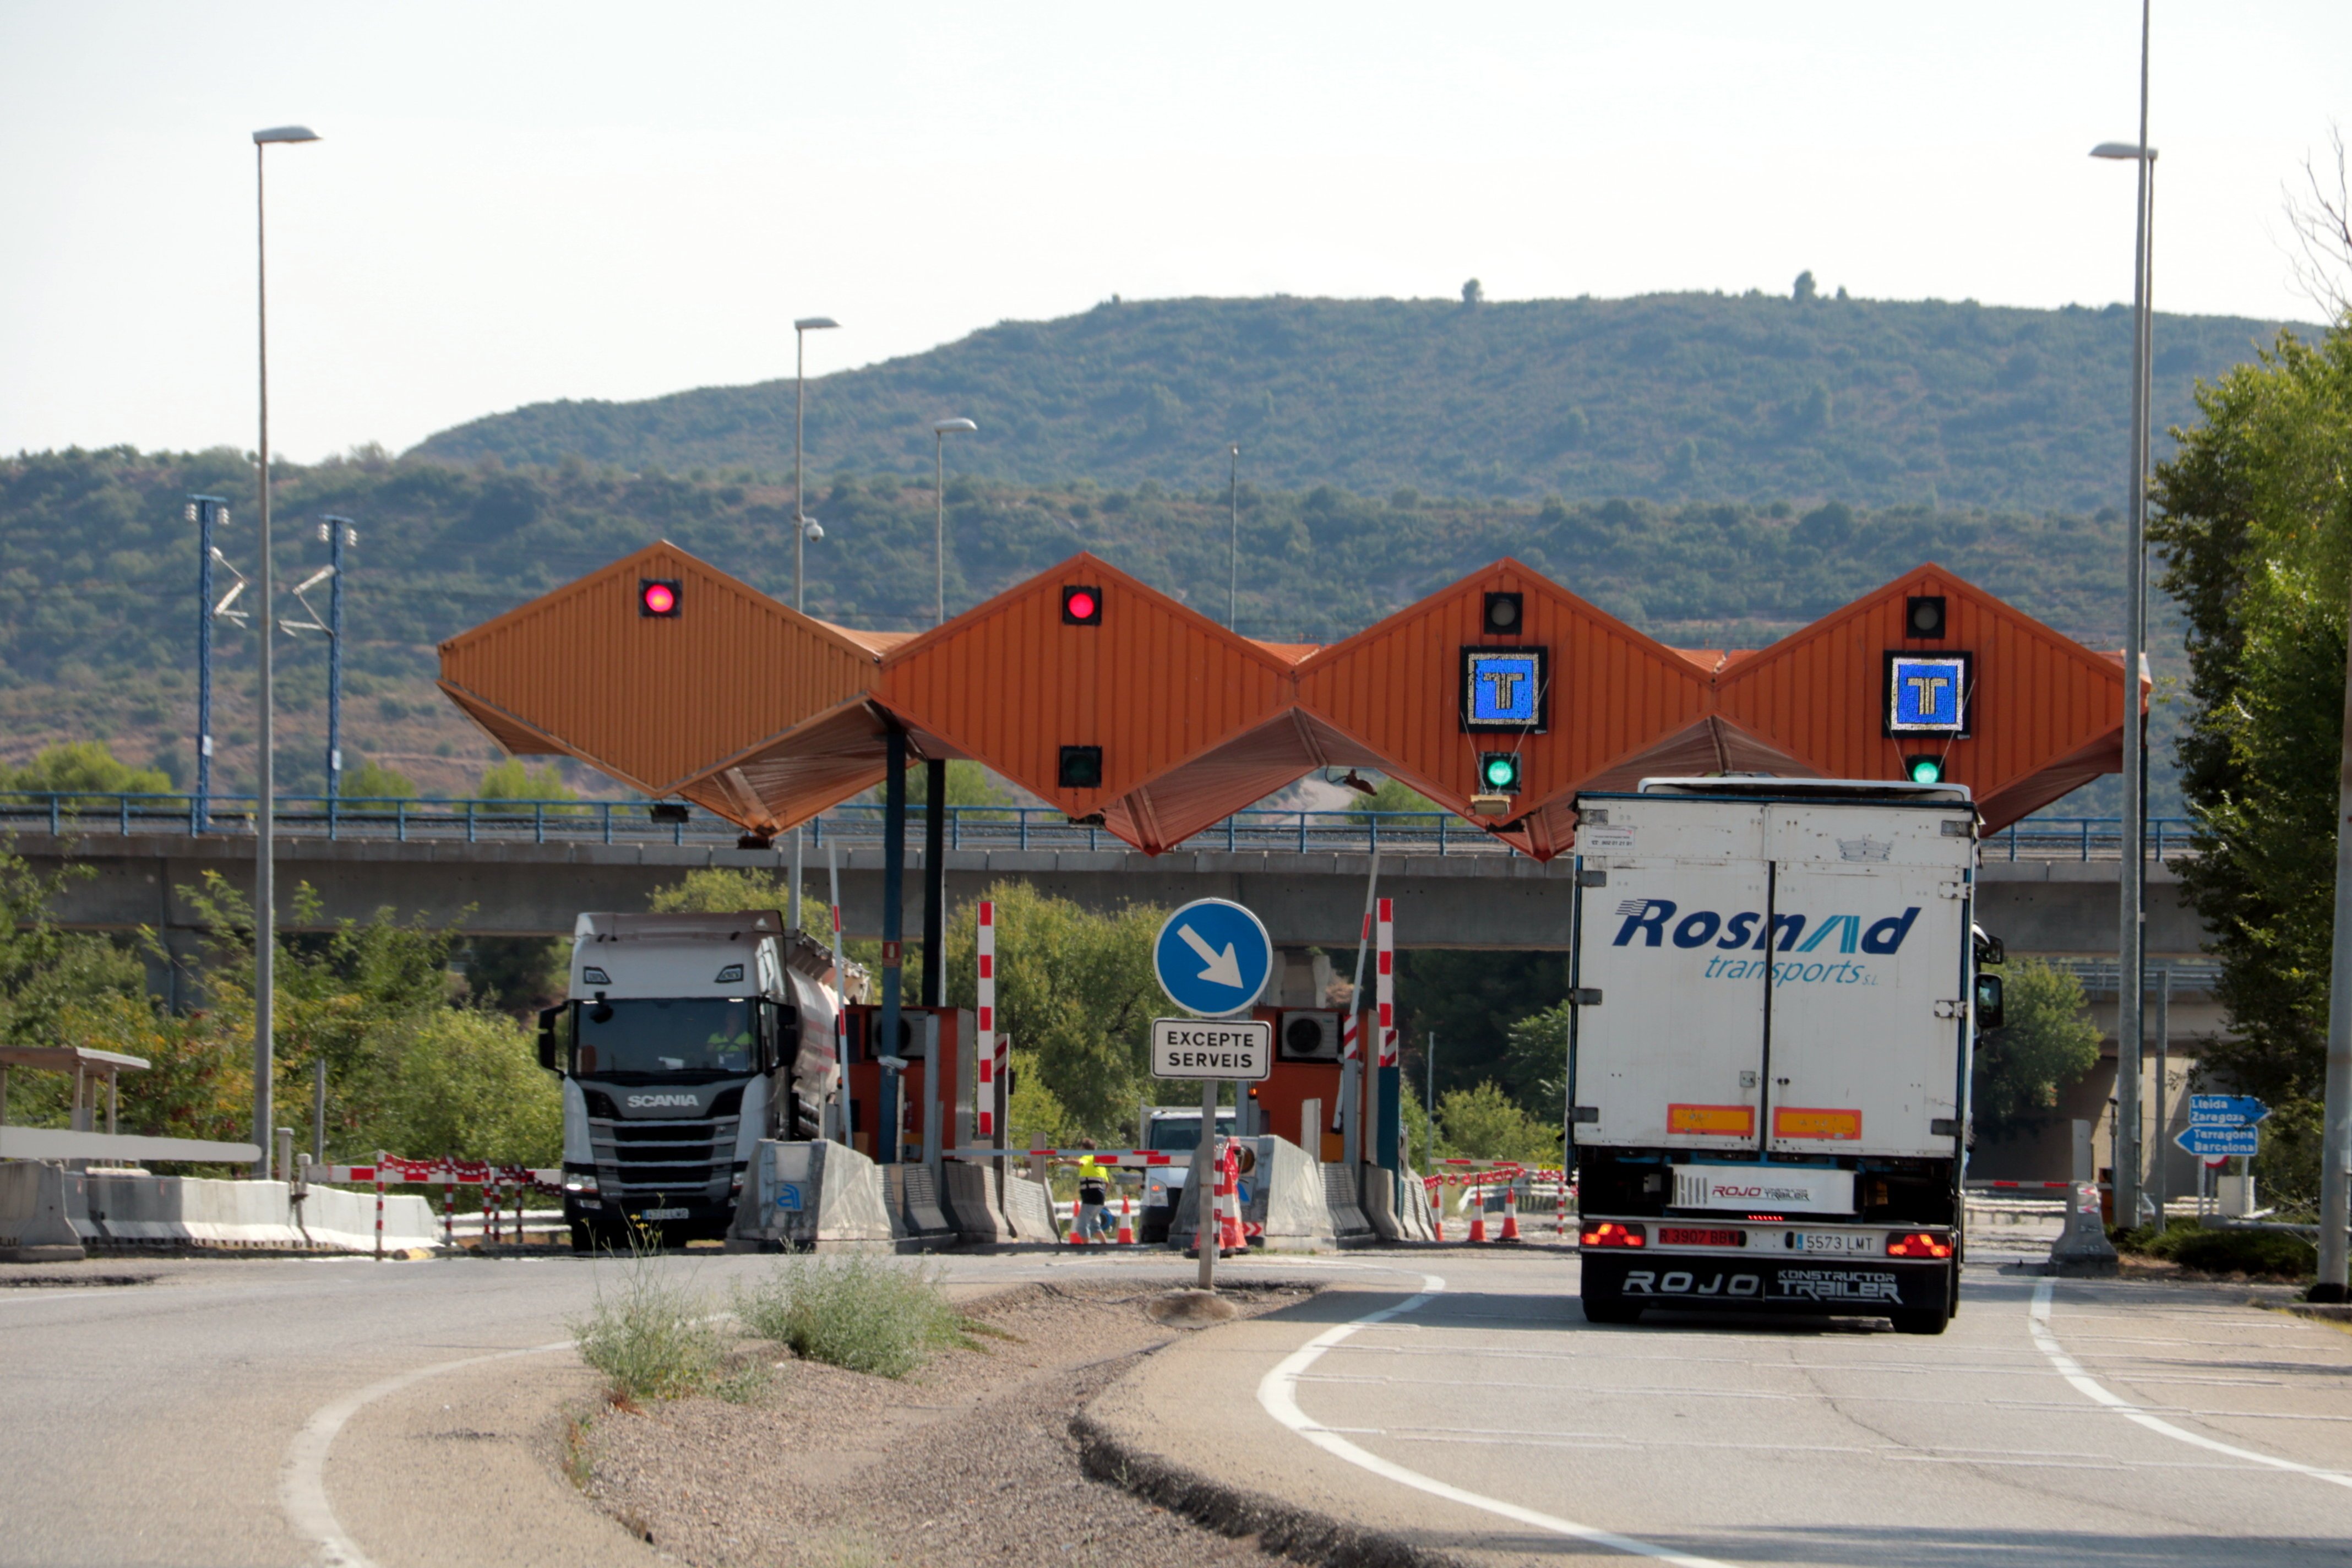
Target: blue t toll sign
x=2242 y=1140
x=1213 y=958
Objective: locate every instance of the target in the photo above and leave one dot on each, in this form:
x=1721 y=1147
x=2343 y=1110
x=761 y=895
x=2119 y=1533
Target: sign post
x=1213 y=959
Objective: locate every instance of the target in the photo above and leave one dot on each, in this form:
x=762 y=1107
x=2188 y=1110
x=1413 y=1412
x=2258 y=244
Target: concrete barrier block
x=915 y=1212
x=1286 y=1197
x=1341 y=1188
x=1029 y=1209
x=974 y=1203
x=191 y=1211
x=44 y=1213
x=345 y=1220
x=812 y=1197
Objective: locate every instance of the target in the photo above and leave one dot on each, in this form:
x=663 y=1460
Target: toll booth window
x=653 y=1036
x=1181 y=1134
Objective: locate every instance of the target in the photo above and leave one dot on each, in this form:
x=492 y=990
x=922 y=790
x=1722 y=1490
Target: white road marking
x=1277 y=1392
x=302 y=1490
x=2037 y=1320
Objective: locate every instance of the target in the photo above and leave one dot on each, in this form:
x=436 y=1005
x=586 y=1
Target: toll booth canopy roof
x=1499 y=697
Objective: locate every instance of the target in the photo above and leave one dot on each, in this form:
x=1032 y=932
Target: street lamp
x=801 y=330
x=804 y=530
x=940 y=430
x=265 y=822
x=2130 y=955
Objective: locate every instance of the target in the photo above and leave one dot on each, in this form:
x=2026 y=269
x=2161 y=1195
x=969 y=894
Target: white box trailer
x=1768 y=1063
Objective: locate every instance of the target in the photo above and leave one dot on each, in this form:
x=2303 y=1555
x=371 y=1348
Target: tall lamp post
x=940 y=430
x=801 y=528
x=801 y=330
x=2130 y=955
x=264 y=824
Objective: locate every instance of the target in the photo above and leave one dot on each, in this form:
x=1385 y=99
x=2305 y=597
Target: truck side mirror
x=547 y=1037
x=1989 y=1010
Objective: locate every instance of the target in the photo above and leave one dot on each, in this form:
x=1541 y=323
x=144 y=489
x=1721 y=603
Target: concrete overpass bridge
x=505 y=868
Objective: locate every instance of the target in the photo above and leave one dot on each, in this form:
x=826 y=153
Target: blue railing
x=968 y=827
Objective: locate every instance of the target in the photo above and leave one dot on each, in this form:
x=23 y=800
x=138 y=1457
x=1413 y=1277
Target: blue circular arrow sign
x=1213 y=958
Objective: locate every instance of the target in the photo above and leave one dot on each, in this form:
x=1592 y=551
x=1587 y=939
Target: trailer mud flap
x=1748 y=1284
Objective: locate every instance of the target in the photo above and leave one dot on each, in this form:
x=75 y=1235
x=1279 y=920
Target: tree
x=2255 y=525
x=1535 y=1062
x=51 y=980
x=81 y=765
x=1805 y=292
x=1075 y=990
x=514 y=779
x=2048 y=1042
x=1472 y=293
x=372 y=780
x=1482 y=1124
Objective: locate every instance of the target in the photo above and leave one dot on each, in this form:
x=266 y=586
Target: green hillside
x=1668 y=397
x=97 y=611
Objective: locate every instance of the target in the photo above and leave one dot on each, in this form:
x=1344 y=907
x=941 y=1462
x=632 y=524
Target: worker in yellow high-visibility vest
x=1093 y=1216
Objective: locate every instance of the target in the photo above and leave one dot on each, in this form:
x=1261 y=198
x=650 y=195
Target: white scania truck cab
x=1778 y=994
x=687 y=1039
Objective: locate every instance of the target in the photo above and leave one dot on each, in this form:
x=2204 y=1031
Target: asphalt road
x=253 y=1411
x=2054 y=1423
x=298 y=1411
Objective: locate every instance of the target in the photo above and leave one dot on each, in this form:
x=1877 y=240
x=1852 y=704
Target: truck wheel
x=1921 y=1319
x=583 y=1240
x=1607 y=1311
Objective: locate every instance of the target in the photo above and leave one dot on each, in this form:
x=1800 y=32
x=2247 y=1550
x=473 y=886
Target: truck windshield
x=1182 y=1134
x=647 y=1035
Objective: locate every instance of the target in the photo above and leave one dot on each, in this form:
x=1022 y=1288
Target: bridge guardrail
x=63 y=814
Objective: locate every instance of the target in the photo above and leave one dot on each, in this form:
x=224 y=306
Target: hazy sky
x=519 y=202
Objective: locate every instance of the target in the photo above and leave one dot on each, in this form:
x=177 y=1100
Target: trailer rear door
x=1672 y=1056
x=1869 y=1006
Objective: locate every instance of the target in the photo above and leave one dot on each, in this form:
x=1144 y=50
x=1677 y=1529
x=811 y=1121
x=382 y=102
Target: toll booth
x=1306 y=1067
x=934 y=1094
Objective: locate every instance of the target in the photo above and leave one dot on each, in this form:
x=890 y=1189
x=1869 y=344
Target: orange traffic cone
x=1126 y=1222
x=1511 y=1213
x=1477 y=1218
x=1076 y=1234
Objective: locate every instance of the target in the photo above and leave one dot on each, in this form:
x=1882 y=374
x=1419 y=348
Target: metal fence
x=407 y=821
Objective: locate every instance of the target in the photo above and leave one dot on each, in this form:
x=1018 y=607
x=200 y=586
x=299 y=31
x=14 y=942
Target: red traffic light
x=1081 y=607
x=657 y=598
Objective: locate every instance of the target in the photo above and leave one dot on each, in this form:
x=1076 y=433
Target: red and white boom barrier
x=448 y=1175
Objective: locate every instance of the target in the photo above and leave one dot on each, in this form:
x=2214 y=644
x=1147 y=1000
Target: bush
x=653 y=1338
x=2277 y=1253
x=860 y=1314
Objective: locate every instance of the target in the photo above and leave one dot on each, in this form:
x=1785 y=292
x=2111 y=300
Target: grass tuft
x=864 y=1314
x=651 y=1337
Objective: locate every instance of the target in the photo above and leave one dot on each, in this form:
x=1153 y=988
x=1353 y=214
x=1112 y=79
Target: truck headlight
x=579 y=1184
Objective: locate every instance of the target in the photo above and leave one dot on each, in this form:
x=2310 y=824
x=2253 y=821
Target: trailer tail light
x=1917 y=1244
x=1609 y=1233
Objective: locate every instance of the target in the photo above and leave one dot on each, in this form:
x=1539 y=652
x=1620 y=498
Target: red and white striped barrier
x=450 y=1175
x=1125 y=1159
x=2019 y=1186
x=984 y=1055
x=1384 y=982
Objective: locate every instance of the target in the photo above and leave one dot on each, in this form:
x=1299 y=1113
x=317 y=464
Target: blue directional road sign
x=1213 y=958
x=2212 y=1140
x=2225 y=1111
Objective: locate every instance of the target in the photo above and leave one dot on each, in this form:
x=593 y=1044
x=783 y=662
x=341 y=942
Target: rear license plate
x=1834 y=1241
x=662 y=1213
x=1680 y=1236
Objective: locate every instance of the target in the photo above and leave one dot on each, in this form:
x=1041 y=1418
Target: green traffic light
x=1502 y=772
x=1927 y=770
